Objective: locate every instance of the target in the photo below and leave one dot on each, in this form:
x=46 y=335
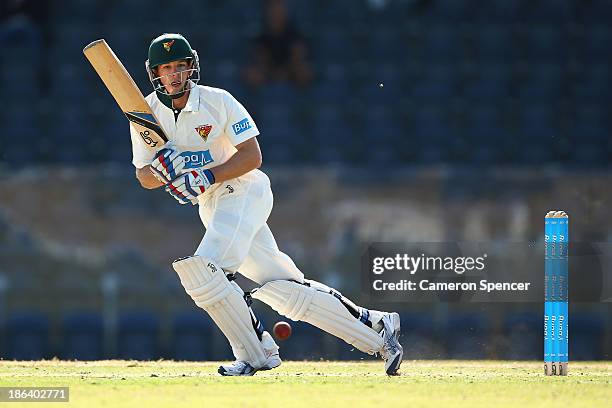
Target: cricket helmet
x=167 y=48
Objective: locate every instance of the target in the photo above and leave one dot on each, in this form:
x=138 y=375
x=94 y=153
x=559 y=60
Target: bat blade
x=126 y=93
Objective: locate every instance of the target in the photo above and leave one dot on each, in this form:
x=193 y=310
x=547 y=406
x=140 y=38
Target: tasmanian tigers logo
x=204 y=131
x=168 y=45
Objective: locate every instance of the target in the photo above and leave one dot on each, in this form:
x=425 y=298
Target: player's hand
x=168 y=163
x=187 y=187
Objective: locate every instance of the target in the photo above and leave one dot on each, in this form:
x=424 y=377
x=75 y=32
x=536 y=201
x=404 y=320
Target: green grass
x=472 y=384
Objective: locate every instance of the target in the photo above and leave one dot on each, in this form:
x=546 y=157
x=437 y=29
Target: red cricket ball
x=282 y=330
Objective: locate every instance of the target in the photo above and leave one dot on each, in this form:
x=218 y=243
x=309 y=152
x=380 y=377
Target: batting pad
x=208 y=286
x=316 y=305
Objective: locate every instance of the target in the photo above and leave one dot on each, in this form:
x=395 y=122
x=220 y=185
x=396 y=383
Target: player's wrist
x=210 y=176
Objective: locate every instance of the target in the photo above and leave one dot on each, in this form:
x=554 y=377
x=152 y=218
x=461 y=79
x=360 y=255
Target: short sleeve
x=240 y=125
x=142 y=155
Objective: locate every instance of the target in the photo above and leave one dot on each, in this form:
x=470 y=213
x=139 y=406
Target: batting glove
x=187 y=187
x=168 y=163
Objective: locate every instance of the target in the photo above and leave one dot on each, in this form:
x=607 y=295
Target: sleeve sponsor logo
x=193 y=160
x=241 y=126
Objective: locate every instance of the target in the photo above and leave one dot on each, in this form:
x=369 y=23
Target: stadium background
x=491 y=114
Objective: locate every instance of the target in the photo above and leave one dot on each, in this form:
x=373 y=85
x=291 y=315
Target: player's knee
x=203 y=280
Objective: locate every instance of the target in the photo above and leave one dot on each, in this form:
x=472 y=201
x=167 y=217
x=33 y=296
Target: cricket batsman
x=212 y=159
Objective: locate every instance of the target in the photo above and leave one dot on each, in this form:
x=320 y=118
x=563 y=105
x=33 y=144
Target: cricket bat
x=126 y=93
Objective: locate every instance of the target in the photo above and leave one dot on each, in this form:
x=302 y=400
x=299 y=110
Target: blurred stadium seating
x=434 y=53
x=27 y=336
x=83 y=336
x=191 y=336
x=138 y=336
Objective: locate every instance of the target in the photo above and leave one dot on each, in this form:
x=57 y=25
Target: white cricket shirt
x=207 y=130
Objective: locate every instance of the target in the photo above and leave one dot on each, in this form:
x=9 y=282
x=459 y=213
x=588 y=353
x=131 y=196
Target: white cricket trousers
x=237 y=236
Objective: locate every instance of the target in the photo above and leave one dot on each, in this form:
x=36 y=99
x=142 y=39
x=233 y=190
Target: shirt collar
x=193 y=102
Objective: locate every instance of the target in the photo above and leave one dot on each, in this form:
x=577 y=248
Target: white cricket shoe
x=244 y=368
x=392 y=351
x=237 y=368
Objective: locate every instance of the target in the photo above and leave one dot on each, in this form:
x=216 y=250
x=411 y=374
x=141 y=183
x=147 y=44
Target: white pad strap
x=319 y=308
x=208 y=286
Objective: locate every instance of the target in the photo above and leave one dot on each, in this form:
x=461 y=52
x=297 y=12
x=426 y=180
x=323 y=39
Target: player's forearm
x=243 y=161
x=147 y=179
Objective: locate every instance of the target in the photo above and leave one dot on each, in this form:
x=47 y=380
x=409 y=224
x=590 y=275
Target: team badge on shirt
x=167 y=45
x=204 y=131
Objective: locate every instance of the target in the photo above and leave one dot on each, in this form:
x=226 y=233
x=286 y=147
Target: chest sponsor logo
x=241 y=126
x=204 y=131
x=194 y=160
